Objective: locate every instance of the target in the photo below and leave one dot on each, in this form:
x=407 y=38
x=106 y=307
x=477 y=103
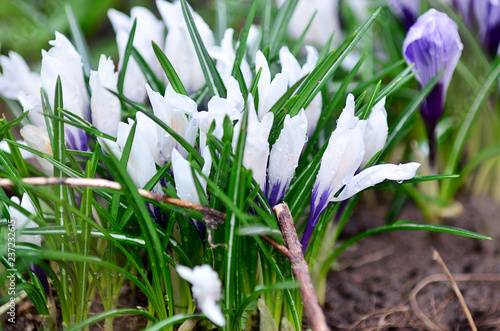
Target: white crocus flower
x=376 y=132
x=225 y=56
x=62 y=60
x=256 y=150
x=295 y=72
x=284 y=157
x=269 y=91
x=325 y=23
x=177 y=111
x=106 y=107
x=141 y=165
x=206 y=290
x=342 y=158
x=38 y=138
x=21 y=221
x=18 y=82
x=179 y=48
x=184 y=181
x=148 y=29
x=218 y=109
x=253 y=43
x=17 y=76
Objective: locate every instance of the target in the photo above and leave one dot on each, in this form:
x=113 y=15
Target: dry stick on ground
x=300 y=269
x=460 y=297
x=443 y=278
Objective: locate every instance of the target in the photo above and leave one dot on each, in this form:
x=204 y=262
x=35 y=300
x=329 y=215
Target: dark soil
x=377 y=278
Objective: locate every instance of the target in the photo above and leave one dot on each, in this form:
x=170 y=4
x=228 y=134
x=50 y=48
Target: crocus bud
x=295 y=72
x=433 y=44
x=63 y=61
x=179 y=48
x=256 y=150
x=285 y=156
x=148 y=29
x=270 y=91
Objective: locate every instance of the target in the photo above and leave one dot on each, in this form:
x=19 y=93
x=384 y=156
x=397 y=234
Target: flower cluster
x=342 y=174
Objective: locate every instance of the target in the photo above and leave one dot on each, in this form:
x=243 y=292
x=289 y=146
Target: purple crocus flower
x=406 y=10
x=433 y=44
x=487 y=14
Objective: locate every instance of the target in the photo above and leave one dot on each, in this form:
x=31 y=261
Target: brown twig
x=210 y=216
x=443 y=278
x=460 y=297
x=279 y=247
x=300 y=269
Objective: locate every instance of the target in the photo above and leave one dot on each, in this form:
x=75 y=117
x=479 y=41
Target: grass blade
x=212 y=77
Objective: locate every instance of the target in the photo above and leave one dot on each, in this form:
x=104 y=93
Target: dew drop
x=399 y=181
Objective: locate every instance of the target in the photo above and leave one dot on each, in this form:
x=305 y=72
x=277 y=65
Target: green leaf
x=179 y=318
x=280 y=25
x=324 y=70
x=151 y=78
x=212 y=77
x=79 y=40
x=400 y=225
x=110 y=313
x=36 y=297
x=463 y=132
x=240 y=52
x=332 y=105
x=172 y=76
x=126 y=57
x=300 y=41
x=6 y=126
x=397 y=131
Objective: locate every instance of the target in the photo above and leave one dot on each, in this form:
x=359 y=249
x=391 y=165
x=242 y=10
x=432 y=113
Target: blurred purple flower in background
x=487 y=14
x=433 y=44
x=464 y=7
x=406 y=10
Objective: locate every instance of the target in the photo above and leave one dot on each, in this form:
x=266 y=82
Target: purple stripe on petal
x=275 y=196
x=316 y=210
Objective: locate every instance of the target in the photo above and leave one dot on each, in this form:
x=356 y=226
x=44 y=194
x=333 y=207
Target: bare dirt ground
x=390 y=281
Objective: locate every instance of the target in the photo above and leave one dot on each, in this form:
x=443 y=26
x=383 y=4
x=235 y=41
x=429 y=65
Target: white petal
x=286 y=151
x=4 y=146
x=206 y=290
x=212 y=311
x=256 y=150
x=377 y=174
x=325 y=22
x=376 y=132
x=179 y=48
x=106 y=108
x=16 y=78
x=38 y=139
x=184 y=182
